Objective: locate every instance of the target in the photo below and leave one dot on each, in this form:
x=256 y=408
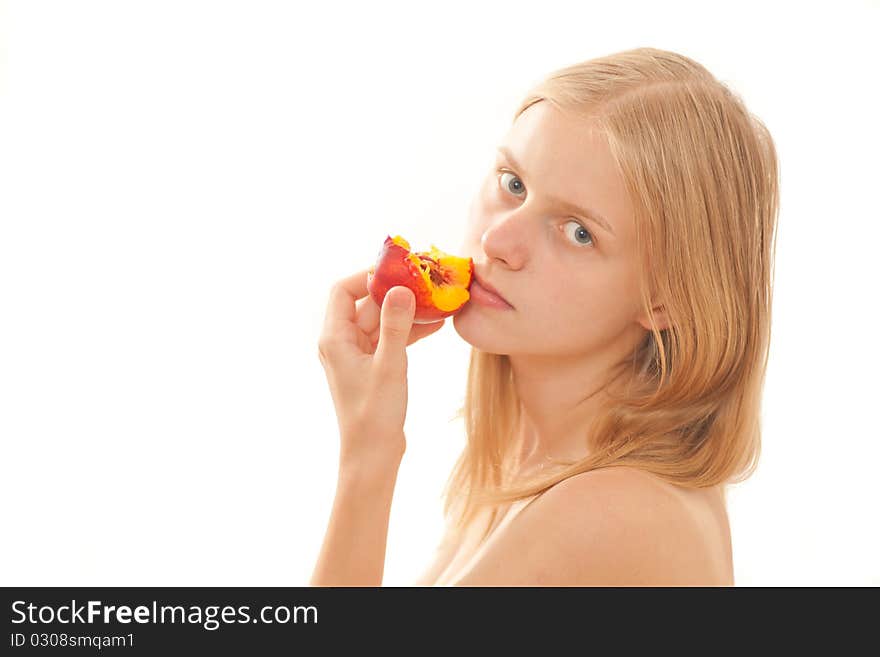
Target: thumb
x=395 y=323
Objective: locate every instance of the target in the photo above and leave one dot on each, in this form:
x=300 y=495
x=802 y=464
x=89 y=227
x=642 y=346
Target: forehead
x=567 y=157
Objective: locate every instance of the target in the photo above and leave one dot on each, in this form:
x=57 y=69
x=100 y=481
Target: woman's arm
x=353 y=552
x=363 y=352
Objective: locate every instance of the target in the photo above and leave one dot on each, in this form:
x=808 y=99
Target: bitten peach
x=439 y=281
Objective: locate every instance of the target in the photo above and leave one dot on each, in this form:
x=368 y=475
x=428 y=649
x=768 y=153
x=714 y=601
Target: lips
x=483 y=284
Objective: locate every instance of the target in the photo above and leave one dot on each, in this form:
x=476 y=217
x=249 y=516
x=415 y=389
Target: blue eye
x=580 y=233
x=508 y=186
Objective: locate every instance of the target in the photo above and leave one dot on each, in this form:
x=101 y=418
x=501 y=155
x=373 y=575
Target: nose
x=507 y=239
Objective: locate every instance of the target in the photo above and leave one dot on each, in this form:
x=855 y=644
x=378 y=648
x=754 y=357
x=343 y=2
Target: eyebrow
x=590 y=214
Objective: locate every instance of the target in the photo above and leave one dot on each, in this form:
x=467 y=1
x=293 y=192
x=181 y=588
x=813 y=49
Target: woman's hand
x=363 y=351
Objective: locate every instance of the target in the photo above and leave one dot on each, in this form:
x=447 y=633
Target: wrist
x=370 y=470
x=369 y=451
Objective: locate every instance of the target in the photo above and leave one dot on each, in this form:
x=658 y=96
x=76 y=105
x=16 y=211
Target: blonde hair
x=702 y=173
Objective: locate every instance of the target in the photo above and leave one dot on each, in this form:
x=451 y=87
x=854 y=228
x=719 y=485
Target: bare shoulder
x=623 y=517
x=621 y=493
x=614 y=527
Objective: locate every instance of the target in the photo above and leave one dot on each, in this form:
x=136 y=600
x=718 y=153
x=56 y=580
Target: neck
x=559 y=401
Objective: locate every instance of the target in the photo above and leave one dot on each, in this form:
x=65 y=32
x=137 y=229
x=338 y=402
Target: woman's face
x=571 y=282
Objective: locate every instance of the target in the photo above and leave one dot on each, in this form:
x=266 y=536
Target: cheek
x=484 y=203
x=597 y=298
x=559 y=293
x=472 y=230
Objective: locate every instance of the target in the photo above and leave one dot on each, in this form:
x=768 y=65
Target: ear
x=660 y=318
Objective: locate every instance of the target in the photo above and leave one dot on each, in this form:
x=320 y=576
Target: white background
x=182 y=182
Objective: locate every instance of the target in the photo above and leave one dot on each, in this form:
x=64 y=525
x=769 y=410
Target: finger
x=417 y=332
x=398 y=310
x=420 y=331
x=343 y=295
x=368 y=318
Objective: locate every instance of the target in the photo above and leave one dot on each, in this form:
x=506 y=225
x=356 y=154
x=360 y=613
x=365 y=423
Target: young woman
x=623 y=243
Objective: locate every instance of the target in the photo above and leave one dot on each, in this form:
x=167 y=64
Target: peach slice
x=439 y=281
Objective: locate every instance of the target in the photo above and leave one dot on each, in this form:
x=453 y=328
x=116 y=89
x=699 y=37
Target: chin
x=480 y=332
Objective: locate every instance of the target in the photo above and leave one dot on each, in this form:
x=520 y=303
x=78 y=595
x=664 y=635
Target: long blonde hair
x=702 y=173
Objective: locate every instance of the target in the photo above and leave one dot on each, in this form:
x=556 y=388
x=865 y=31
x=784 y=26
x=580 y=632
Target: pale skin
x=576 y=316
